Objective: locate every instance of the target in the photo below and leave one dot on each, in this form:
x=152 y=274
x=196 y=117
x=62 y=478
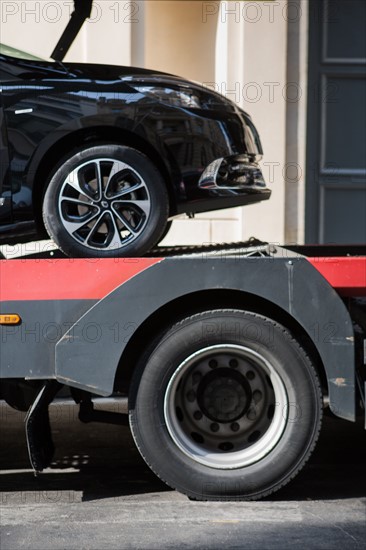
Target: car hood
x=93 y=72
x=27 y=68
x=96 y=71
x=145 y=77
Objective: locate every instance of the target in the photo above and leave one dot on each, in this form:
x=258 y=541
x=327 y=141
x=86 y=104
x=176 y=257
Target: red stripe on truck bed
x=67 y=279
x=346 y=275
x=83 y=279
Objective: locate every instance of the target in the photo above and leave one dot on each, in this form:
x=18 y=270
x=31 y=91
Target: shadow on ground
x=100 y=461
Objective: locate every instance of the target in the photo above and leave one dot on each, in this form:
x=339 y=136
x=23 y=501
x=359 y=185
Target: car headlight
x=186 y=98
x=169 y=96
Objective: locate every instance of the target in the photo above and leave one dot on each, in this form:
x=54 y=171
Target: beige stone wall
x=265 y=53
x=177 y=40
x=36 y=26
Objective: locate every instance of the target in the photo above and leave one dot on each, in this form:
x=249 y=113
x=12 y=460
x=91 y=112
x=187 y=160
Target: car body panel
x=48 y=107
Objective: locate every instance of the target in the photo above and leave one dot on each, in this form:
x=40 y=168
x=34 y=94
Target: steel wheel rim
x=104 y=204
x=226 y=435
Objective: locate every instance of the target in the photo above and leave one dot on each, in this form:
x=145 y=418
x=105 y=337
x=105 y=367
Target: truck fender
x=293 y=285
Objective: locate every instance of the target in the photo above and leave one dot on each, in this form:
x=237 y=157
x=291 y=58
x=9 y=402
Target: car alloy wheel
x=106 y=201
x=104 y=204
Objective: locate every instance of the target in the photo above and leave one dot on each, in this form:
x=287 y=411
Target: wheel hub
x=225 y=406
x=224 y=395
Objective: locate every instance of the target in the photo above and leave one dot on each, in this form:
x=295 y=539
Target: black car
x=103 y=157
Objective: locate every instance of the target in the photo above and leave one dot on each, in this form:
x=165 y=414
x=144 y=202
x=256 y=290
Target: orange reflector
x=10 y=319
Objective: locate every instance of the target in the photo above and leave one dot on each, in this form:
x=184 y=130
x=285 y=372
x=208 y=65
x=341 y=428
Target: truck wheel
x=225 y=406
x=106 y=201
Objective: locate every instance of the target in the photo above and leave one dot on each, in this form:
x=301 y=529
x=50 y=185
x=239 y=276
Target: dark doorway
x=336 y=127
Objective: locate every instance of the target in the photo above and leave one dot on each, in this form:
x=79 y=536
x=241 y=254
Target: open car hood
x=82 y=10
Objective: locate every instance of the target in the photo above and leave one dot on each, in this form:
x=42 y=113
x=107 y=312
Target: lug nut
x=214 y=427
x=257 y=396
x=251 y=414
x=191 y=396
x=196 y=377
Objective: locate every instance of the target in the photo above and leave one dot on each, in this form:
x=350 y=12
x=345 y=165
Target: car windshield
x=14 y=52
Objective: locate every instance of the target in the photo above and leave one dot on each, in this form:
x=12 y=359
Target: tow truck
x=228 y=354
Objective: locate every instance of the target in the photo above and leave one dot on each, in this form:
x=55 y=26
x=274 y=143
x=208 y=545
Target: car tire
x=225 y=405
x=166 y=231
x=106 y=201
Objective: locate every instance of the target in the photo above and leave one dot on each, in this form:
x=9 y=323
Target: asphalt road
x=99 y=494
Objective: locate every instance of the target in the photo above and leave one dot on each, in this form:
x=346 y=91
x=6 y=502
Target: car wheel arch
x=46 y=160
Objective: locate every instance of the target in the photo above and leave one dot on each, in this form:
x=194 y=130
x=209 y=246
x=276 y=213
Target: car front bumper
x=234 y=173
x=228 y=182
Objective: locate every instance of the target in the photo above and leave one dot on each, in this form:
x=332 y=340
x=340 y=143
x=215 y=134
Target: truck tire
x=226 y=405
x=106 y=201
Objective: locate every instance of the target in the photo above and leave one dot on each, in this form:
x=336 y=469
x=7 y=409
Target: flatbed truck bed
x=228 y=354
